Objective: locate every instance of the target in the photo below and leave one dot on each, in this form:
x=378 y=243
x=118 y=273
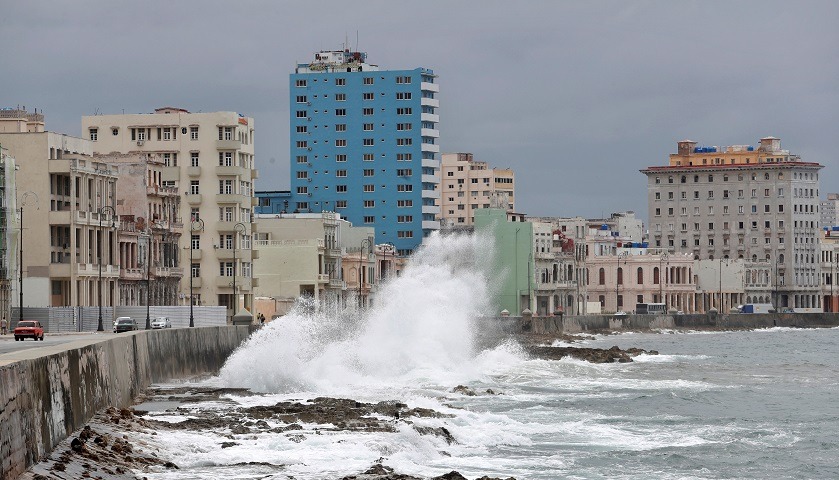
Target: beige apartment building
x=209 y=159
x=8 y=234
x=759 y=204
x=467 y=185
x=69 y=231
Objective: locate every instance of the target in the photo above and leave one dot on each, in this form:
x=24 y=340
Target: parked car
x=124 y=324
x=161 y=322
x=29 y=328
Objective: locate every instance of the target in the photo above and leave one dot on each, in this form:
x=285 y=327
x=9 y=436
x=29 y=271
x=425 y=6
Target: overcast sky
x=576 y=97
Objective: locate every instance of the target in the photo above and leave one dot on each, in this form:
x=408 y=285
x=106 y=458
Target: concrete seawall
x=591 y=323
x=49 y=392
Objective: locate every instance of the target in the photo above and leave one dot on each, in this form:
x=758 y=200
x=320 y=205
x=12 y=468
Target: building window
x=403 y=80
x=404 y=111
x=405 y=188
x=403 y=126
x=225 y=187
x=340 y=127
x=405 y=203
x=304 y=159
x=404 y=219
x=302 y=190
x=368 y=80
x=367 y=157
x=404 y=234
x=403 y=95
x=340 y=97
x=404 y=142
x=302 y=174
x=369 y=204
x=94 y=134
x=340 y=82
x=404 y=157
x=369 y=219
x=225 y=269
x=368 y=172
x=196 y=270
x=369 y=142
x=404 y=172
x=367 y=111
x=340 y=173
x=194 y=187
x=302 y=129
x=300 y=83
x=369 y=96
x=341 y=112
x=369 y=188
x=302 y=144
x=368 y=127
x=302 y=114
x=340 y=204
x=341 y=188
x=341 y=142
x=225 y=159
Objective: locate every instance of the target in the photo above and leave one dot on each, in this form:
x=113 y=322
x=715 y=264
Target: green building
x=513 y=255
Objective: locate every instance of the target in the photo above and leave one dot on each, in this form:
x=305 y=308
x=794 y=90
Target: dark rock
x=593 y=355
x=442 y=432
x=450 y=476
x=464 y=390
x=228 y=444
x=77 y=445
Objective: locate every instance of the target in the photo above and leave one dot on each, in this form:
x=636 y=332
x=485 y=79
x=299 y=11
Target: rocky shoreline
x=108 y=447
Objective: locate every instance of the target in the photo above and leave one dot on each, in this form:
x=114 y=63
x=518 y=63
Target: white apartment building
x=209 y=159
x=829 y=208
x=467 y=185
x=759 y=204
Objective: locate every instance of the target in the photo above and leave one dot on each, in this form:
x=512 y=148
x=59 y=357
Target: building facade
x=66 y=199
x=759 y=204
x=149 y=232
x=209 y=159
x=829 y=209
x=364 y=145
x=467 y=185
x=8 y=234
x=273 y=202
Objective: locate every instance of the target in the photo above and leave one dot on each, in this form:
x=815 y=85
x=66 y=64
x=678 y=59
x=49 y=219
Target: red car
x=29 y=328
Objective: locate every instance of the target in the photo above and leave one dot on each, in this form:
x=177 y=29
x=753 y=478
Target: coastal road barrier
x=549 y=325
x=48 y=393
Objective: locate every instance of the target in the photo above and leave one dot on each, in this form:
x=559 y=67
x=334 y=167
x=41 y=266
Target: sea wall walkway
x=594 y=323
x=49 y=392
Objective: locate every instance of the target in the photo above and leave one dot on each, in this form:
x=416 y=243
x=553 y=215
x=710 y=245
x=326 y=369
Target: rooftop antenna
x=356 y=40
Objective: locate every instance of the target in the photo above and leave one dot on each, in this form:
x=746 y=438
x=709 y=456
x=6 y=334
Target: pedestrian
x=3 y=326
x=261 y=319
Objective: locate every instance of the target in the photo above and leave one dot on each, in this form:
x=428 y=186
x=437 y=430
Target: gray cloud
x=575 y=96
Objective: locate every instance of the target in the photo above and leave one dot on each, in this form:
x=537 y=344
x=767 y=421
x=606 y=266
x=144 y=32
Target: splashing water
x=420 y=330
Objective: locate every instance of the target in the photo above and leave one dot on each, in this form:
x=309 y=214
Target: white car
x=161 y=322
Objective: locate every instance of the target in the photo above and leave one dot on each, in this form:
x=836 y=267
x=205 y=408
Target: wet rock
x=228 y=444
x=464 y=390
x=450 y=476
x=442 y=432
x=593 y=355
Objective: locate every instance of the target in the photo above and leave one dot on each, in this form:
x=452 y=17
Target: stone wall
x=592 y=323
x=47 y=393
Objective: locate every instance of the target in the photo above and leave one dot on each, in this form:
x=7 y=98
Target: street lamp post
x=112 y=213
x=238 y=228
x=365 y=243
x=618 y=257
x=20 y=261
x=661 y=278
x=192 y=229
x=148 y=277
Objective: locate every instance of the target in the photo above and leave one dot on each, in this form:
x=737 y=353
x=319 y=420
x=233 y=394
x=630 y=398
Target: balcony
x=431 y=194
x=196 y=283
x=430 y=224
x=161 y=191
x=429 y=147
x=92 y=269
x=170 y=174
x=428 y=132
x=430 y=87
x=254 y=254
x=231 y=198
x=430 y=102
x=430 y=179
x=254 y=174
x=545 y=255
x=323 y=278
x=227 y=171
x=430 y=163
x=243 y=284
x=193 y=198
x=132 y=274
x=196 y=255
x=193 y=171
x=430 y=209
x=172 y=272
x=430 y=117
x=228 y=144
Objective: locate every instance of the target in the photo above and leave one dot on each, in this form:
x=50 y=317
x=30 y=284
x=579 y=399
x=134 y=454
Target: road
x=8 y=343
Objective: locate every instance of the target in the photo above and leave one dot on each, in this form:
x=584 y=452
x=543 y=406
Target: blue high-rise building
x=364 y=144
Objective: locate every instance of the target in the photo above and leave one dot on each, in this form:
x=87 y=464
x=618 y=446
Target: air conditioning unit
x=309 y=149
x=309 y=103
x=309 y=179
x=140 y=143
x=308 y=119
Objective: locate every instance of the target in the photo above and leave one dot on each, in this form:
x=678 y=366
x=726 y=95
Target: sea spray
x=419 y=330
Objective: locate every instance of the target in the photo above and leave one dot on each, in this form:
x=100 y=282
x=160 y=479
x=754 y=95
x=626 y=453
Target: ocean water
x=757 y=404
